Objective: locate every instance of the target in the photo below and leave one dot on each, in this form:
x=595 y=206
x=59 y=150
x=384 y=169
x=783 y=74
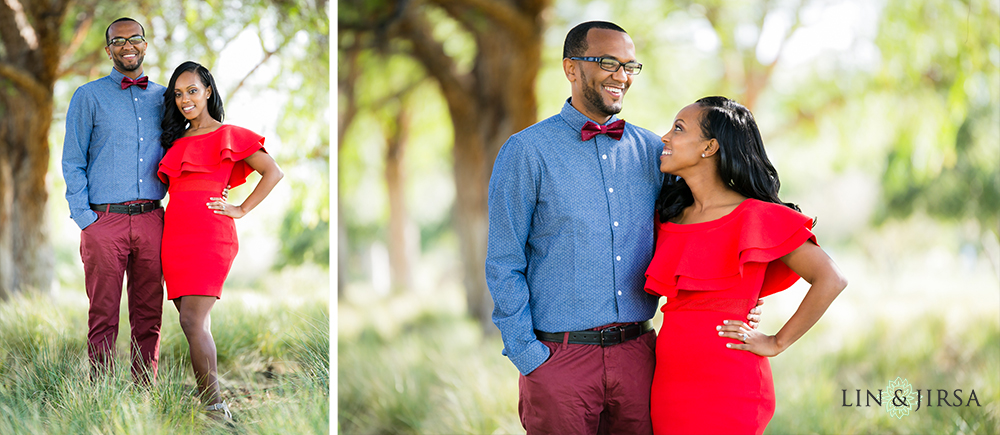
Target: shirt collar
x=575 y=119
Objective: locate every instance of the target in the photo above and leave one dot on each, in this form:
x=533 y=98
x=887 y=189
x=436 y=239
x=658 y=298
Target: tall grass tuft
x=438 y=375
x=271 y=373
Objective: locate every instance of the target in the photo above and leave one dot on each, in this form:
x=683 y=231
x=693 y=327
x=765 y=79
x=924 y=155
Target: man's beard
x=593 y=96
x=119 y=63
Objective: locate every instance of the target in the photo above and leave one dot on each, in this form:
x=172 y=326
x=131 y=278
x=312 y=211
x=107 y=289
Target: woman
x=723 y=241
x=202 y=157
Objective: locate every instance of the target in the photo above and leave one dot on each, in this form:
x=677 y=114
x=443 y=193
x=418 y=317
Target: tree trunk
x=24 y=248
x=346 y=79
x=470 y=217
x=29 y=61
x=487 y=105
x=395 y=180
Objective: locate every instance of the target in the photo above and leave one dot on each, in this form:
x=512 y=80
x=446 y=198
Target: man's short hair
x=107 y=32
x=576 y=39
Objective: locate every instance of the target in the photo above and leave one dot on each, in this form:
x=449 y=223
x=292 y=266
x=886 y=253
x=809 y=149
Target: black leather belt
x=606 y=337
x=129 y=209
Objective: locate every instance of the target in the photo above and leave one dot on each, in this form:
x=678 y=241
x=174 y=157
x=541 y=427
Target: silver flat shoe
x=221 y=406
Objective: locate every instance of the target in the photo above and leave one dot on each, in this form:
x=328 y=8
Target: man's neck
x=597 y=118
x=134 y=74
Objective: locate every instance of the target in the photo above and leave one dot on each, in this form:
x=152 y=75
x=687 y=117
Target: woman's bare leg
x=196 y=322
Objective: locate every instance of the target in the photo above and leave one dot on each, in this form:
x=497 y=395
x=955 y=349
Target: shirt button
x=140 y=118
x=610 y=190
x=136 y=99
x=605 y=157
x=140 y=139
x=616 y=224
x=619 y=258
x=619 y=292
x=140 y=180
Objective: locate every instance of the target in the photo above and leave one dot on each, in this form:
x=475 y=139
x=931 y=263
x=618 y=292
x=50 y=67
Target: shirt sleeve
x=513 y=190
x=79 y=126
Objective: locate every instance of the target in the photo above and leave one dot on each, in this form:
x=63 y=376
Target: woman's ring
x=743 y=337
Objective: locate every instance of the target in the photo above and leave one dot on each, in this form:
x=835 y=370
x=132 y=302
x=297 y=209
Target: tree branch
x=48 y=21
x=10 y=35
x=25 y=81
x=79 y=36
x=431 y=55
x=791 y=30
x=398 y=94
x=24 y=28
x=227 y=41
x=346 y=79
x=758 y=81
x=502 y=13
x=267 y=55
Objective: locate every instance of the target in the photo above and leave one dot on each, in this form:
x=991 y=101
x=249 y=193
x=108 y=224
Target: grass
x=439 y=376
x=273 y=367
x=927 y=353
x=413 y=364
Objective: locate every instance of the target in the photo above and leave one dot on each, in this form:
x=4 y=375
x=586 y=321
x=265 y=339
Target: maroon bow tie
x=141 y=82
x=614 y=130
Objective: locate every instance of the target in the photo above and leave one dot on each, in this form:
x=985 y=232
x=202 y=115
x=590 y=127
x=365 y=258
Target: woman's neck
x=200 y=124
x=712 y=197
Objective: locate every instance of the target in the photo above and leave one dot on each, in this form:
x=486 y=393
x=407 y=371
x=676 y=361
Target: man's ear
x=569 y=68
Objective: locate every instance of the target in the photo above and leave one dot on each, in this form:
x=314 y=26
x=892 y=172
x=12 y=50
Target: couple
x=127 y=140
x=586 y=233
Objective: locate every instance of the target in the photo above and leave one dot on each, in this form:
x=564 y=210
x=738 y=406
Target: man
x=571 y=206
x=110 y=157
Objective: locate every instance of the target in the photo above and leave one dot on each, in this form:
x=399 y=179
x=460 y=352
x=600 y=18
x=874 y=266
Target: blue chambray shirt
x=112 y=146
x=570 y=231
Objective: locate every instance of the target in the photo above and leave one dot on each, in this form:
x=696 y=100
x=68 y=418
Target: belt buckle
x=135 y=208
x=612 y=329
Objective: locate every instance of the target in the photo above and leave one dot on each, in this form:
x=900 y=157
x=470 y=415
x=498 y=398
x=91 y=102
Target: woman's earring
x=703 y=155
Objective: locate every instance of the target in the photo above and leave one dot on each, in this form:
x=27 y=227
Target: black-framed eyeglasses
x=609 y=64
x=134 y=40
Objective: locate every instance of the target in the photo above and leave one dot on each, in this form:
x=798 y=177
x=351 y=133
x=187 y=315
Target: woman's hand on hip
x=220 y=206
x=752 y=340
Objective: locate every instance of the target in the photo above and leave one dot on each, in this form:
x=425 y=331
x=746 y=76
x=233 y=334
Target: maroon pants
x=589 y=389
x=113 y=246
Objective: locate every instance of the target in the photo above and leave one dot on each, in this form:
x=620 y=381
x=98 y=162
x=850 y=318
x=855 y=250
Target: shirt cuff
x=533 y=356
x=84 y=218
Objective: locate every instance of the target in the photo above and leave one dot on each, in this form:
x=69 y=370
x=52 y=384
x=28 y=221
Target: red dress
x=198 y=245
x=710 y=272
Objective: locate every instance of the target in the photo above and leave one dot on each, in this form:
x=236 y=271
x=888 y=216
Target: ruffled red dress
x=710 y=272
x=198 y=245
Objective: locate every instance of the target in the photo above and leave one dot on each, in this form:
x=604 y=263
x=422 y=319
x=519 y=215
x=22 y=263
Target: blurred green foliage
x=945 y=159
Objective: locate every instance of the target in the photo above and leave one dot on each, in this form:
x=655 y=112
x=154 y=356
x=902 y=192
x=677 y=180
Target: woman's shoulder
x=236 y=129
x=755 y=206
x=773 y=217
x=240 y=134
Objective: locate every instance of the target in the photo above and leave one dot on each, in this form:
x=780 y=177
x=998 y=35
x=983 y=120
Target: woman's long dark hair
x=173 y=122
x=743 y=163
